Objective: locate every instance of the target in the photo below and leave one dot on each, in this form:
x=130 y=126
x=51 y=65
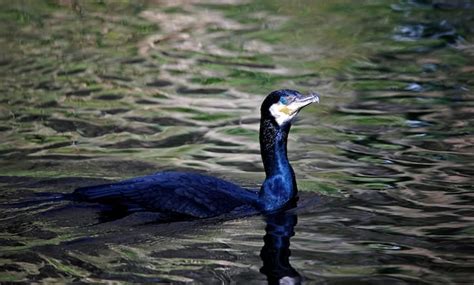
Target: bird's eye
x=283 y=100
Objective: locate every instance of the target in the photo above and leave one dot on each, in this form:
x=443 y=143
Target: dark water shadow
x=275 y=253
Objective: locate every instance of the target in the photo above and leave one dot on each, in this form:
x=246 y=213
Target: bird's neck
x=279 y=187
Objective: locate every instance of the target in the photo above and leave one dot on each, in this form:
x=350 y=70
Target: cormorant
x=189 y=195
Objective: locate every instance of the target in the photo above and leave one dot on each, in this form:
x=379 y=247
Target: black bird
x=189 y=195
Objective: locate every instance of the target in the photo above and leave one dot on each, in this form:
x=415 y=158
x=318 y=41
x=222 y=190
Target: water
x=93 y=91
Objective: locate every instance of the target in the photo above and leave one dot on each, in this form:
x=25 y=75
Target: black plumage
x=175 y=193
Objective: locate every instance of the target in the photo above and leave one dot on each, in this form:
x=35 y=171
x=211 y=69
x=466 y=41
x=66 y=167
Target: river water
x=95 y=90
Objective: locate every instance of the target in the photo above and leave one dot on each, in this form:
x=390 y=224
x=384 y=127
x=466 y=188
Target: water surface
x=94 y=91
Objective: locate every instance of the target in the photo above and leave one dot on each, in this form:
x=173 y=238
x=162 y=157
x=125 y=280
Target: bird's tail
x=39 y=198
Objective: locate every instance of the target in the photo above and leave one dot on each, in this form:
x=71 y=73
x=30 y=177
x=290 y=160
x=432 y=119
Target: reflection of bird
x=276 y=252
x=187 y=195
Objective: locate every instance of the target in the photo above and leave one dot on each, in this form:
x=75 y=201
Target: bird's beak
x=306 y=100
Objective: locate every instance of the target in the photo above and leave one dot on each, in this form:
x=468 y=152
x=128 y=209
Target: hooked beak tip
x=314 y=97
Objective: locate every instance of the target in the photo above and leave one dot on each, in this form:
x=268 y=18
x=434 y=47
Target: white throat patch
x=283 y=113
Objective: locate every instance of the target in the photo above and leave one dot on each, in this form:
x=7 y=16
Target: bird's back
x=176 y=193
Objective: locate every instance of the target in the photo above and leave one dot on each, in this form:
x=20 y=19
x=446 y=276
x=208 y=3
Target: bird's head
x=283 y=105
